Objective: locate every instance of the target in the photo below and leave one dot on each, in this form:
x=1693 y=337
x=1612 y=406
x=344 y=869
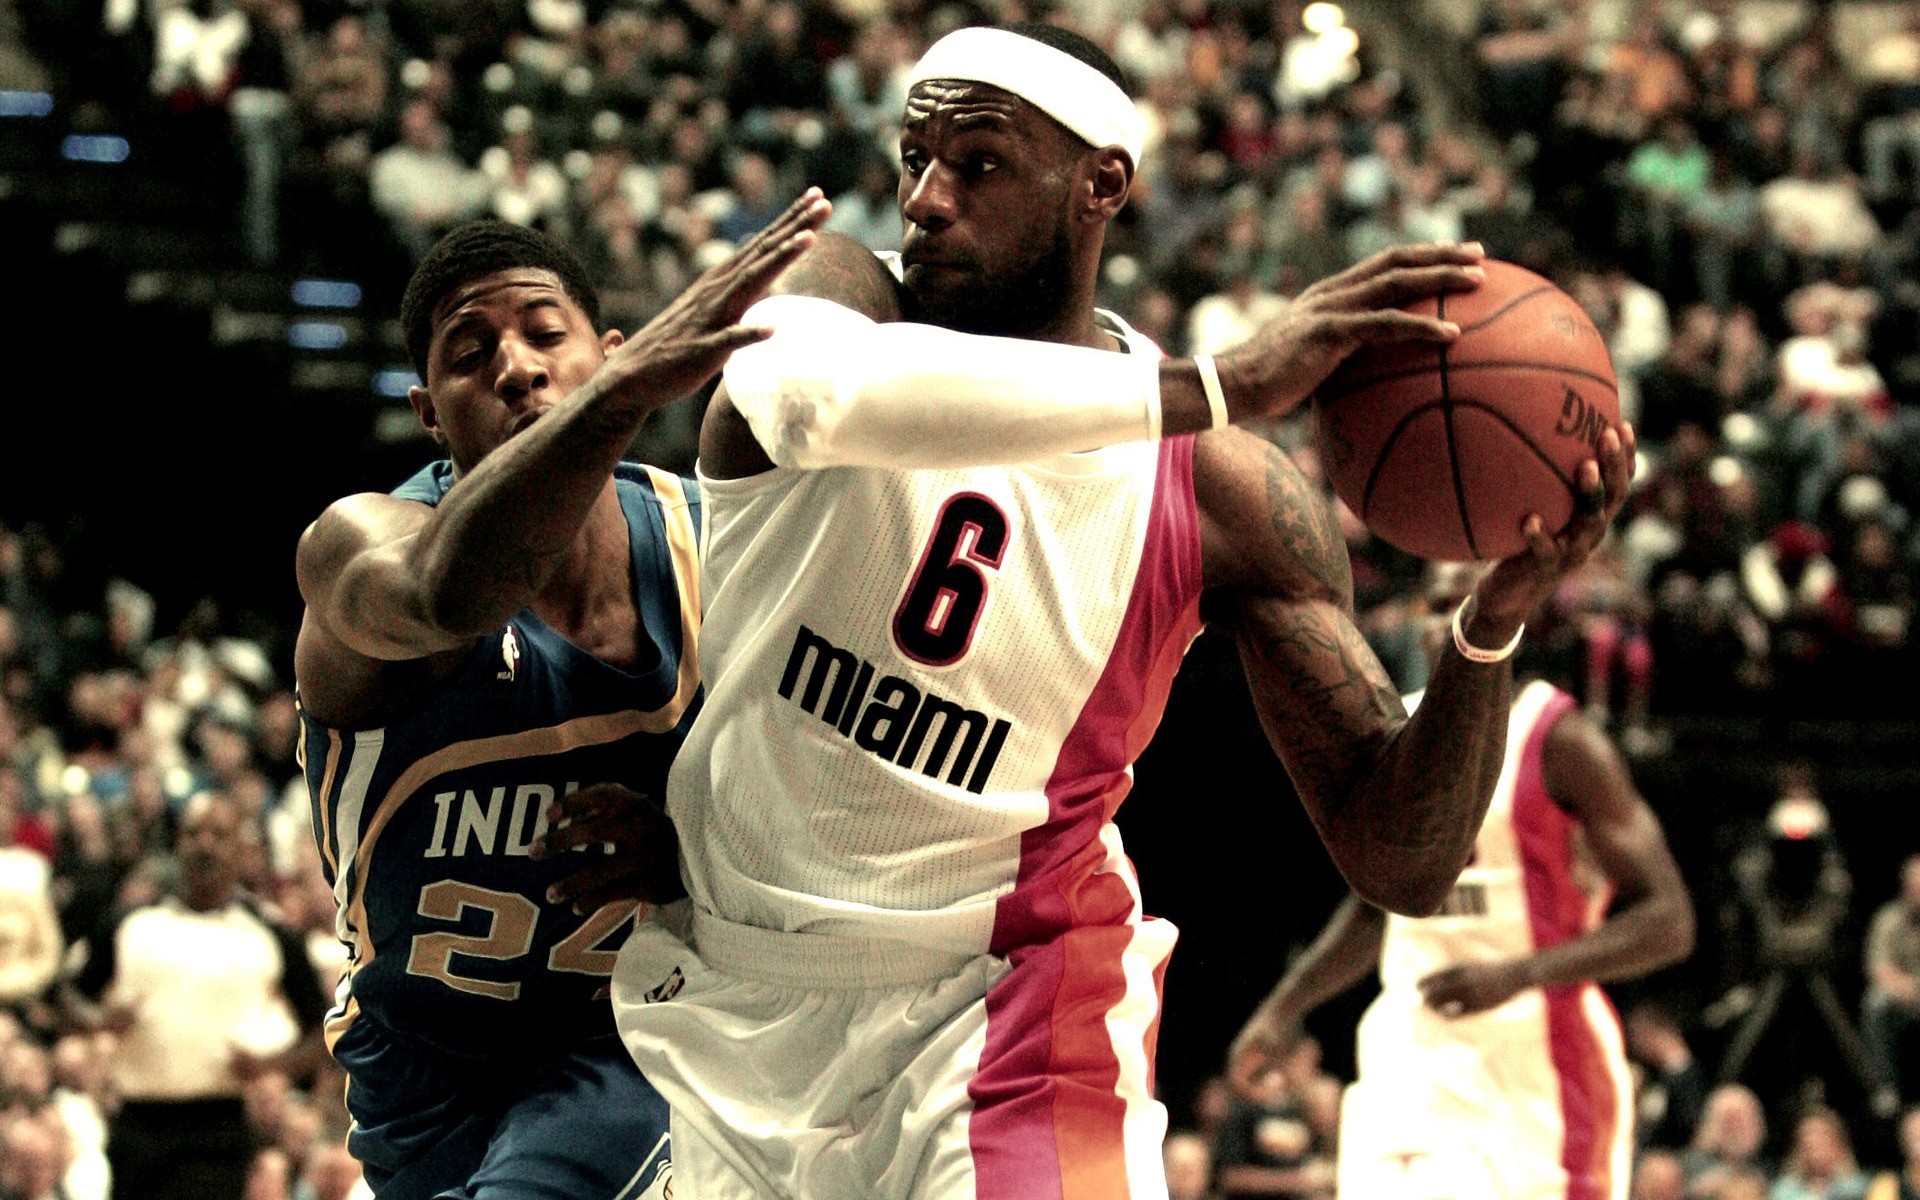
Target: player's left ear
x=1110 y=180
x=612 y=340
x=422 y=402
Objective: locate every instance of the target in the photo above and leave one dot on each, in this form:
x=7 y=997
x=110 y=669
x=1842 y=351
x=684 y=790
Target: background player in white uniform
x=914 y=961
x=1491 y=1066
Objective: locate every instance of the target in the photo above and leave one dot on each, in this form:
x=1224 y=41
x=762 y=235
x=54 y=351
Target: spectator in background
x=1657 y=1175
x=1522 y=55
x=1188 y=1159
x=755 y=200
x=866 y=86
x=30 y=940
x=205 y=993
x=1729 y=1139
x=526 y=188
x=870 y=213
x=420 y=185
x=1890 y=140
x=1667 y=175
x=1821 y=1165
x=32 y=1156
x=1891 y=1007
x=1723 y=218
x=1904 y=1182
x=1817 y=217
x=1228 y=317
x=1674 y=1093
x=1268 y=1145
x=777 y=82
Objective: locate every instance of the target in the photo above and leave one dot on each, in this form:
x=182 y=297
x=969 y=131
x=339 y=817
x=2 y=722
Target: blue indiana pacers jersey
x=424 y=825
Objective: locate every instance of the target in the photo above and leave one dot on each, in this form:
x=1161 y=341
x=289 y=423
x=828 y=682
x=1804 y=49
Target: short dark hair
x=1075 y=46
x=478 y=248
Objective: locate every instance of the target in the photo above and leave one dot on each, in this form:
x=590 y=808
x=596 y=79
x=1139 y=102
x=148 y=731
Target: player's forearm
x=1346 y=952
x=1416 y=813
x=834 y=388
x=499 y=534
x=1653 y=932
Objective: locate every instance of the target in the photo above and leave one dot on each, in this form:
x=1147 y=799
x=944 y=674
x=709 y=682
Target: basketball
x=1444 y=450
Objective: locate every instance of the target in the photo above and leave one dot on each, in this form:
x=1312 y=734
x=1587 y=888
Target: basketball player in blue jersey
x=495 y=666
x=951 y=564
x=1491 y=1064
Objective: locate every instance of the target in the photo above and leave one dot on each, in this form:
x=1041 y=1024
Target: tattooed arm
x=1397 y=800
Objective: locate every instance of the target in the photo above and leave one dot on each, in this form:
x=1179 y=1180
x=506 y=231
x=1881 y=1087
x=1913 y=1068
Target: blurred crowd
x=1731 y=190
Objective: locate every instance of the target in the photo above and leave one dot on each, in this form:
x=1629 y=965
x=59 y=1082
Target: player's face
x=506 y=347
x=986 y=186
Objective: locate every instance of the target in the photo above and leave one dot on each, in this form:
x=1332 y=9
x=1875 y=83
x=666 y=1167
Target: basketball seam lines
x=1506 y=308
x=1393 y=437
x=1478 y=364
x=1453 y=445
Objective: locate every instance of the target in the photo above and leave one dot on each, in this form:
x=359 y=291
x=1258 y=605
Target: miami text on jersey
x=894 y=719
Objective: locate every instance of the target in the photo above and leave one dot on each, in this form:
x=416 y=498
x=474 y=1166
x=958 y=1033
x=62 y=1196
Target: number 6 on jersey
x=935 y=621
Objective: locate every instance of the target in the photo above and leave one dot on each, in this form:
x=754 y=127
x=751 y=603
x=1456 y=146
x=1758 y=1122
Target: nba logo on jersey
x=668 y=989
x=509 y=654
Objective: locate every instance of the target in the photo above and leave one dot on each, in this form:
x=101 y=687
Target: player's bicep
x=1586 y=776
x=358 y=575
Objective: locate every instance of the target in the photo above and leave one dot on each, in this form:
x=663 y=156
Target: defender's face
x=506 y=347
x=986 y=183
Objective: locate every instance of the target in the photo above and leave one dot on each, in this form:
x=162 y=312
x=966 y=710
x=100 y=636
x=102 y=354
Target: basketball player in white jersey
x=1491 y=1066
x=913 y=960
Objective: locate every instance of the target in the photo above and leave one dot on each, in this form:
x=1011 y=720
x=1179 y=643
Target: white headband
x=1053 y=81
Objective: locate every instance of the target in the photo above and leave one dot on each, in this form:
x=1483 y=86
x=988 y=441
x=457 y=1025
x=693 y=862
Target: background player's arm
x=1346 y=952
x=852 y=383
x=1650 y=924
x=1397 y=800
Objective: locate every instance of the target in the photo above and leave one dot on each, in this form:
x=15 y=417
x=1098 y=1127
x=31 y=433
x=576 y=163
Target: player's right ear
x=422 y=402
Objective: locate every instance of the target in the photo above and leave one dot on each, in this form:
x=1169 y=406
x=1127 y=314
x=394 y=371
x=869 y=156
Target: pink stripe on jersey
x=1047 y=1122
x=1589 y=1105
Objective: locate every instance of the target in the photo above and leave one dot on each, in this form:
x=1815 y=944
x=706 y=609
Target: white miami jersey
x=925 y=691
x=1547 y=1069
x=1525 y=888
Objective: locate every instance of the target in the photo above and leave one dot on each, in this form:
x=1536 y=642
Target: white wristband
x=1210 y=384
x=1473 y=653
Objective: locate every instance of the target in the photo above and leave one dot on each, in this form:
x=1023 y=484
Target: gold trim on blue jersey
x=533 y=743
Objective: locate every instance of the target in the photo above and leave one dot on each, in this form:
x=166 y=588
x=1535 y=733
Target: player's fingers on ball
x=1590 y=484
x=1423 y=254
x=1385 y=326
x=1404 y=285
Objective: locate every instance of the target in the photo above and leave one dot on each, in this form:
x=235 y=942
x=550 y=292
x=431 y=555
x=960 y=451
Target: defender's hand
x=1288 y=357
x=1258 y=1049
x=1516 y=586
x=1473 y=987
x=642 y=851
x=688 y=343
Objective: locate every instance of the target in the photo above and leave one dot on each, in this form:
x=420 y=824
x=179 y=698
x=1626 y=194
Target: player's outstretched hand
x=1516 y=586
x=1258 y=1049
x=1473 y=987
x=640 y=857
x=1287 y=358
x=687 y=344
